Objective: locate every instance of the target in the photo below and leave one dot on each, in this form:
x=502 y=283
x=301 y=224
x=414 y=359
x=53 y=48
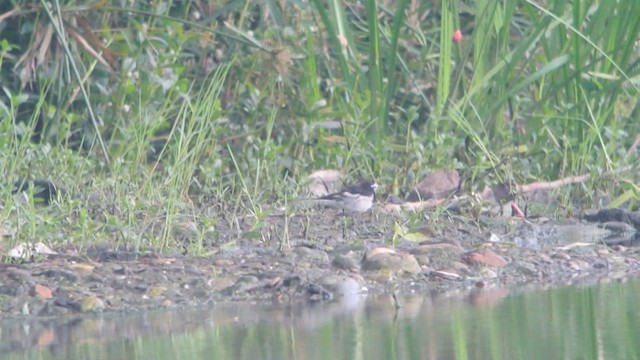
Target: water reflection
x=569 y=322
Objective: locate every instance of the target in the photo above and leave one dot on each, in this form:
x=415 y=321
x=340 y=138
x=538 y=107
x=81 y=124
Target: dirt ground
x=322 y=255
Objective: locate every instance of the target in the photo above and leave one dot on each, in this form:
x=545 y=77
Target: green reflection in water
x=562 y=323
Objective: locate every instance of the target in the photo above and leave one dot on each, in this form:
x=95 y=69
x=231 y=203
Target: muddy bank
x=325 y=256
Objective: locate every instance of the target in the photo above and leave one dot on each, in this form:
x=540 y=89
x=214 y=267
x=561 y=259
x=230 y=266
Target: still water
x=577 y=322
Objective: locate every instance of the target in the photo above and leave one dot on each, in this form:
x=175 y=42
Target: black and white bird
x=356 y=198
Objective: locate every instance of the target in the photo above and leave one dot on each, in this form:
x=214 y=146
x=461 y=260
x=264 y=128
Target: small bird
x=356 y=198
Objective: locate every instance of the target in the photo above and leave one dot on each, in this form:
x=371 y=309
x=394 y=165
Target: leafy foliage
x=212 y=97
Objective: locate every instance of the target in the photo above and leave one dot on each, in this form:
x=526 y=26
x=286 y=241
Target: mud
x=320 y=256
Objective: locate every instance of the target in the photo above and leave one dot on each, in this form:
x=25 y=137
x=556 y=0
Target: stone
x=384 y=259
x=487 y=258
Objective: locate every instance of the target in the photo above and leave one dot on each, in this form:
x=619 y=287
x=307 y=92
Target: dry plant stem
x=548 y=185
x=633 y=147
x=543 y=185
x=520 y=189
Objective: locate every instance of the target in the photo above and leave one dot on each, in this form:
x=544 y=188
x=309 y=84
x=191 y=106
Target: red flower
x=457 y=36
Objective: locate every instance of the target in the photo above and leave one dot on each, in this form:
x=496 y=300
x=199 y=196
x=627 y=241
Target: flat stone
x=437 y=255
x=346 y=262
x=438 y=184
x=487 y=258
x=42 y=292
x=342 y=285
x=310 y=254
x=439 y=248
x=561 y=255
x=384 y=259
x=92 y=303
x=579 y=265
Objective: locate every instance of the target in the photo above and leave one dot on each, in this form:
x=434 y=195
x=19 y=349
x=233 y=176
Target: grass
x=195 y=120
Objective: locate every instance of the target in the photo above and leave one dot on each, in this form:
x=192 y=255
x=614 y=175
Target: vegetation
x=165 y=117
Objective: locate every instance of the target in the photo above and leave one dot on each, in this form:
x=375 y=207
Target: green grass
x=182 y=116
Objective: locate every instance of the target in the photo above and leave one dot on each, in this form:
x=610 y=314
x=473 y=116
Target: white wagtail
x=354 y=198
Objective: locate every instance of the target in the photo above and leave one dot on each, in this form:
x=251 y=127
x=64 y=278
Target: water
x=562 y=323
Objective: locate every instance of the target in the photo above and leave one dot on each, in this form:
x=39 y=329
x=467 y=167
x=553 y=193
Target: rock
x=311 y=254
x=49 y=309
x=561 y=255
x=59 y=274
x=494 y=238
x=487 y=258
x=28 y=250
x=619 y=248
x=91 y=303
x=342 y=285
x=25 y=309
x=324 y=182
x=221 y=282
x=438 y=249
x=581 y=233
x=527 y=269
x=222 y=263
x=487 y=273
x=436 y=185
x=384 y=259
x=20 y=276
x=156 y=291
x=578 y=265
x=244 y=284
x=439 y=254
x=349 y=262
x=459 y=268
x=42 y=292
x=83 y=267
